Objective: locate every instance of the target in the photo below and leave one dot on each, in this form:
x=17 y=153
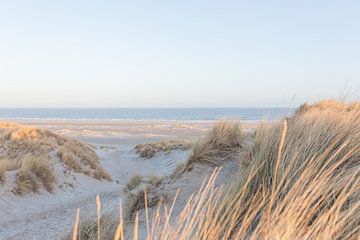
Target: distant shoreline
x=61 y=120
x=151 y=115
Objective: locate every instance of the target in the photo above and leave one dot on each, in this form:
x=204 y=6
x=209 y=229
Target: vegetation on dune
x=28 y=150
x=81 y=157
x=329 y=105
x=223 y=140
x=308 y=179
x=134 y=194
x=318 y=132
x=149 y=150
x=134 y=182
x=32 y=173
x=301 y=181
x=88 y=228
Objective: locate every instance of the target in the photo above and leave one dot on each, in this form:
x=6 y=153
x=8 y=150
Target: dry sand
x=48 y=215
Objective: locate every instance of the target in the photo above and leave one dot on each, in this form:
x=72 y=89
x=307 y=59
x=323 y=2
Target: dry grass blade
x=281 y=146
x=119 y=234
x=98 y=208
x=76 y=225
x=136 y=227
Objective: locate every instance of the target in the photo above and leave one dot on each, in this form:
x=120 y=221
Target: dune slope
x=32 y=154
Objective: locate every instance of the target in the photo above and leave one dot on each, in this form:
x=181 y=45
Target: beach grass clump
x=149 y=150
x=134 y=182
x=135 y=190
x=321 y=130
x=29 y=152
x=34 y=171
x=81 y=157
x=137 y=180
x=135 y=201
x=224 y=139
x=88 y=228
x=328 y=105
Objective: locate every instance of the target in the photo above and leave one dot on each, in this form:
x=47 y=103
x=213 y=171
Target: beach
x=49 y=215
x=127 y=133
x=191 y=169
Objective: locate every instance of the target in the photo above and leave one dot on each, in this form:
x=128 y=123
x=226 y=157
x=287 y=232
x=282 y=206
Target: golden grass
x=149 y=150
x=82 y=158
x=26 y=150
x=224 y=139
x=88 y=228
x=303 y=213
x=214 y=213
x=312 y=133
x=302 y=182
x=34 y=172
x=329 y=105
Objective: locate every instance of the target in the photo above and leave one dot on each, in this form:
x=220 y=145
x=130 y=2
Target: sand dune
x=50 y=214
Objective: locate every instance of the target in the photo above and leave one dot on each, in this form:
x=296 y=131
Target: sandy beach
x=48 y=215
x=127 y=133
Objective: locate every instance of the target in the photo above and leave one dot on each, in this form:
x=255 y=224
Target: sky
x=178 y=53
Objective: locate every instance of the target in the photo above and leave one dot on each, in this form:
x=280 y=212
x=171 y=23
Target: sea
x=183 y=114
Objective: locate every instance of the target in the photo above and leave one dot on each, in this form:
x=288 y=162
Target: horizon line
x=197 y=107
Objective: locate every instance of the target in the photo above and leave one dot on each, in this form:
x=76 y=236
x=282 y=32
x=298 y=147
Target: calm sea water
x=197 y=114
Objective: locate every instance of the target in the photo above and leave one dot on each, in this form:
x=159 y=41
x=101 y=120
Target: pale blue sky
x=177 y=53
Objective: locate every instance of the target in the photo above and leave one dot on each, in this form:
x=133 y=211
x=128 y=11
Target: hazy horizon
x=177 y=54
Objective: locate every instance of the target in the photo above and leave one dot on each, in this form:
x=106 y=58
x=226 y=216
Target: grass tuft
x=34 y=172
x=224 y=139
x=135 y=190
x=88 y=228
x=149 y=150
x=134 y=182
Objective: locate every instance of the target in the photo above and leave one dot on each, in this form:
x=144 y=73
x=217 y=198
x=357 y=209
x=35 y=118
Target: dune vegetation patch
x=135 y=194
x=307 y=171
x=34 y=172
x=329 y=105
x=223 y=140
x=89 y=228
x=149 y=150
x=323 y=130
x=29 y=152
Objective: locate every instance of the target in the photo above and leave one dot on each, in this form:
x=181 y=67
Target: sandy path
x=49 y=224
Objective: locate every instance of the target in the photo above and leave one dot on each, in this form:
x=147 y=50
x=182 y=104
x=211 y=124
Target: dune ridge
x=32 y=154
